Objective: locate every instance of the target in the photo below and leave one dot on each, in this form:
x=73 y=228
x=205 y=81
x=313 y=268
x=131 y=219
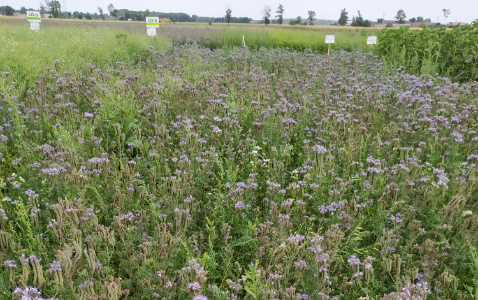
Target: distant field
x=25 y=53
x=79 y=42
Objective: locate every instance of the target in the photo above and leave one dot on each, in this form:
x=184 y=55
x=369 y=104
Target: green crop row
x=450 y=53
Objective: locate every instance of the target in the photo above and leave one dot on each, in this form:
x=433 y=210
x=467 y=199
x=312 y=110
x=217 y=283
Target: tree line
x=53 y=7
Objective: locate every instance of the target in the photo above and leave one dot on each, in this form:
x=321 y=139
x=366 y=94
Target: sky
x=461 y=10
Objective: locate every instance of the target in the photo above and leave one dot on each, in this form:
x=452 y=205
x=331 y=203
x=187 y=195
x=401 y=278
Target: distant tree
x=446 y=13
x=266 y=15
x=7 y=10
x=360 y=22
x=400 y=17
x=55 y=7
x=412 y=20
x=23 y=10
x=68 y=15
x=380 y=20
x=298 y=20
x=147 y=13
x=420 y=19
x=194 y=18
x=280 y=14
x=88 y=16
x=80 y=16
x=292 y=22
x=389 y=25
x=427 y=20
x=42 y=9
x=311 y=17
x=343 y=17
x=127 y=15
x=228 y=16
x=100 y=11
x=112 y=10
x=357 y=21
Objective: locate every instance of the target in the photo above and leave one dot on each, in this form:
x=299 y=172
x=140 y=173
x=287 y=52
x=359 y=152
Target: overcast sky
x=461 y=10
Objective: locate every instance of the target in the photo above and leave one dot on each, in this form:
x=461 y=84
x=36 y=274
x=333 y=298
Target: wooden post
x=328 y=52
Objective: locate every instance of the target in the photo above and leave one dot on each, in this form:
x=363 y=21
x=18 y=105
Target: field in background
x=447 y=52
x=26 y=53
x=102 y=43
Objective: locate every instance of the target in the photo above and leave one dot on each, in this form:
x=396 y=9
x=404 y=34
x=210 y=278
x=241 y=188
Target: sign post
x=151 y=24
x=34 y=19
x=371 y=40
x=329 y=39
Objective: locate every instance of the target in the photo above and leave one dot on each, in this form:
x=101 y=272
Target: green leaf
x=475 y=71
x=469 y=58
x=248 y=290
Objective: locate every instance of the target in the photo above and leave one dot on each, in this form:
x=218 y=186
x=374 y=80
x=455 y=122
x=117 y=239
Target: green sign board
x=33 y=16
x=152 y=22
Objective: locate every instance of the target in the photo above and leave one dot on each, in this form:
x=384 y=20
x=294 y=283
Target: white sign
x=33 y=16
x=151 y=31
x=330 y=39
x=35 y=26
x=371 y=40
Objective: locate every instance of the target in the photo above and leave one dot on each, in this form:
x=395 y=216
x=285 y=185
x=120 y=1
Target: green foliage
x=300 y=39
x=228 y=16
x=360 y=22
x=130 y=169
x=280 y=14
x=55 y=7
x=266 y=15
x=311 y=17
x=451 y=53
x=401 y=16
x=7 y=10
x=343 y=17
x=30 y=52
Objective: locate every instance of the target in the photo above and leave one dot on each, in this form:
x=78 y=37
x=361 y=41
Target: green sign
x=152 y=22
x=33 y=16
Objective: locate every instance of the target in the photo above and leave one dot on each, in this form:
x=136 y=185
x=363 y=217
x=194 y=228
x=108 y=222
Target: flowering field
x=237 y=174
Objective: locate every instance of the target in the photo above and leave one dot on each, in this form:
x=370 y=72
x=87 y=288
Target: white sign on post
x=151 y=31
x=151 y=24
x=330 y=39
x=371 y=40
x=35 y=26
x=34 y=19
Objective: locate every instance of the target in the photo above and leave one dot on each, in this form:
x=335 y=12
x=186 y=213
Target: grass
x=291 y=38
x=26 y=53
x=104 y=43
